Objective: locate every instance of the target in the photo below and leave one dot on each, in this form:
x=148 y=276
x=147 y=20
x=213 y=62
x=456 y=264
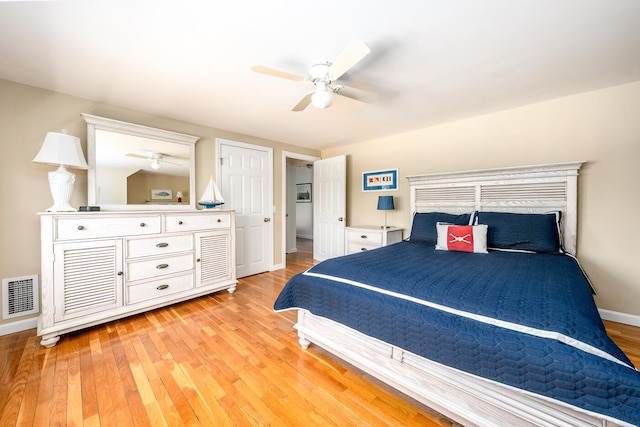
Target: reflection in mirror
x=137 y=167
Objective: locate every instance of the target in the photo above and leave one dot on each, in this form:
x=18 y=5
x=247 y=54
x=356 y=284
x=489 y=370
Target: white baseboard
x=275 y=267
x=616 y=316
x=18 y=326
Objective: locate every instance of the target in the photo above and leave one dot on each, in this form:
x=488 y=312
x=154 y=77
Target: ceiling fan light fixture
x=321 y=98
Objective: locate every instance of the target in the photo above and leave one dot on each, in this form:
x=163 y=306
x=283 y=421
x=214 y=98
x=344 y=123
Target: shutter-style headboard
x=520 y=189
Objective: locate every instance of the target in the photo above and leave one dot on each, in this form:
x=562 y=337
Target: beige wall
x=28 y=113
x=600 y=127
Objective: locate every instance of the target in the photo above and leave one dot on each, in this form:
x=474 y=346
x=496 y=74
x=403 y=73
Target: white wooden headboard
x=520 y=189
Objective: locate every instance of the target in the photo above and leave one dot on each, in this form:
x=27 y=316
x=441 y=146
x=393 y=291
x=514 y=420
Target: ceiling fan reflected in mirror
x=324 y=76
x=156 y=159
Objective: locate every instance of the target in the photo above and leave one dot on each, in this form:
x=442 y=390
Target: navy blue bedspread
x=526 y=320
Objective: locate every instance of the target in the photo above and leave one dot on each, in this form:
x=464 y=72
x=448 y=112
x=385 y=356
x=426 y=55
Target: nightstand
x=364 y=238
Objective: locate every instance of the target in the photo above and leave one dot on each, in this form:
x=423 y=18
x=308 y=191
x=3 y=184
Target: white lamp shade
x=179 y=194
x=61 y=149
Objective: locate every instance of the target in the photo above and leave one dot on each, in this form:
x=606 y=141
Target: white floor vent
x=20 y=296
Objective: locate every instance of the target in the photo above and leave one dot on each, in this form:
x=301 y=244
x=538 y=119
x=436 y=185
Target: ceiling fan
x=324 y=75
x=156 y=159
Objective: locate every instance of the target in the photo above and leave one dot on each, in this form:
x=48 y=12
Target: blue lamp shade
x=385 y=203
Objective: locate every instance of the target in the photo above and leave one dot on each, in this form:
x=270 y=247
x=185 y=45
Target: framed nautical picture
x=161 y=195
x=303 y=193
x=385 y=180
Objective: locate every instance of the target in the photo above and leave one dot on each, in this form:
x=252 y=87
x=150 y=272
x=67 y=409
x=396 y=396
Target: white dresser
x=101 y=266
x=364 y=238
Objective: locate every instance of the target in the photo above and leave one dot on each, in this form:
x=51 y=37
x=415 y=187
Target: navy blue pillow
x=423 y=229
x=524 y=232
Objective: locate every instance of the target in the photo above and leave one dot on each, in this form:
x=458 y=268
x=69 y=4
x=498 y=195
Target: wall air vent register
x=20 y=296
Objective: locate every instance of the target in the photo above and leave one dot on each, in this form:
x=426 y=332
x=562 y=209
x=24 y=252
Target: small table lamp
x=385 y=203
x=179 y=196
x=61 y=149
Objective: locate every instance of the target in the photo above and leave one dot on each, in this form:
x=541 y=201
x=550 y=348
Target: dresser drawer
x=174 y=223
x=138 y=270
x=365 y=237
x=93 y=228
x=159 y=288
x=158 y=245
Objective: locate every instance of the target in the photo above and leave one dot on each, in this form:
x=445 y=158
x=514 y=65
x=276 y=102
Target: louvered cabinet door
x=213 y=258
x=88 y=278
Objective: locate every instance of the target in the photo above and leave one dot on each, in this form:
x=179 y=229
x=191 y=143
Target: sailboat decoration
x=211 y=196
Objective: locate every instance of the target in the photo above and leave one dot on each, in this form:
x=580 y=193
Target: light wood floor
x=217 y=360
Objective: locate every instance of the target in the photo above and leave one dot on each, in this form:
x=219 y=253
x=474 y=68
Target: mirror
x=135 y=167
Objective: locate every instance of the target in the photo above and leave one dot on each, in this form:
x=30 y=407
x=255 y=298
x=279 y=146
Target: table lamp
x=385 y=203
x=61 y=149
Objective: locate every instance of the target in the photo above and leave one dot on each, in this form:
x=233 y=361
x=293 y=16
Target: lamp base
x=61 y=184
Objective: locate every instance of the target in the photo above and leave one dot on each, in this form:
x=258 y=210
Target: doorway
x=297 y=212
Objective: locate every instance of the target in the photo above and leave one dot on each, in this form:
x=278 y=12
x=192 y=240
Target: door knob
x=340 y=219
x=267 y=219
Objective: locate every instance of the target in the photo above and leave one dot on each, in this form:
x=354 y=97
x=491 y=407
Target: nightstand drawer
x=353 y=247
x=365 y=238
x=368 y=237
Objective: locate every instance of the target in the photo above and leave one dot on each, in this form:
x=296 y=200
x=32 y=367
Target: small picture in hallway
x=303 y=193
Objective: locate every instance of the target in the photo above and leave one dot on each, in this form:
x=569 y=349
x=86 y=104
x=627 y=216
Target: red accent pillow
x=464 y=238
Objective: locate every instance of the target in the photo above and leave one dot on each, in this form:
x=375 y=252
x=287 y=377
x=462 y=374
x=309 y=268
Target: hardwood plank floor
x=223 y=360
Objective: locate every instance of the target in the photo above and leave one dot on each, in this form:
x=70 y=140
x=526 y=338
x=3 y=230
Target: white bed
x=466 y=398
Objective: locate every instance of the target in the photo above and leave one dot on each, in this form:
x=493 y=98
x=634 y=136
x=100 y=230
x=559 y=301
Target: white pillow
x=464 y=238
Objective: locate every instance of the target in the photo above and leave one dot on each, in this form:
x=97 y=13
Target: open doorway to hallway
x=298 y=204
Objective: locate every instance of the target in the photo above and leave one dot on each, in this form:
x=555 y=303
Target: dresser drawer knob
x=179 y=222
x=142 y=224
x=120 y=273
x=162 y=287
x=81 y=227
x=198 y=260
x=219 y=220
x=161 y=266
x=363 y=249
x=162 y=245
x=364 y=236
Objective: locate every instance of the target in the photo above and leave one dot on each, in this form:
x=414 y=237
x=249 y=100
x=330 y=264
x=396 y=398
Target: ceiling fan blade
x=137 y=156
x=304 y=102
x=357 y=94
x=350 y=56
x=277 y=73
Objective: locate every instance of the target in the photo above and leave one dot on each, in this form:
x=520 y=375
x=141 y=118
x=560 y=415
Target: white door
x=329 y=207
x=244 y=179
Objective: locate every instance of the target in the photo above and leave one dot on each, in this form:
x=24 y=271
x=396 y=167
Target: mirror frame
x=101 y=123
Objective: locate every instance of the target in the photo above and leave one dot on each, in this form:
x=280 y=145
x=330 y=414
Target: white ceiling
x=432 y=61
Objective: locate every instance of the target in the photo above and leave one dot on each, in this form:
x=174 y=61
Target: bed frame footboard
x=465 y=398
